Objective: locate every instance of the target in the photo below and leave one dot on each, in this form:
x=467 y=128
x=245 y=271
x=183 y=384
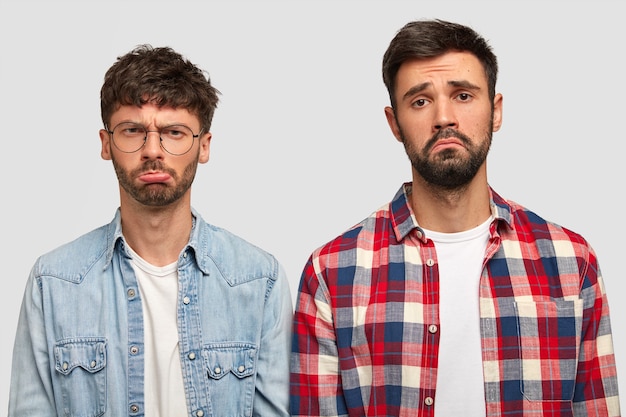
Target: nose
x=444 y=116
x=152 y=149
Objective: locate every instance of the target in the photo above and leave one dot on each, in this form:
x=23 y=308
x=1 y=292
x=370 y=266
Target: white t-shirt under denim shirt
x=163 y=381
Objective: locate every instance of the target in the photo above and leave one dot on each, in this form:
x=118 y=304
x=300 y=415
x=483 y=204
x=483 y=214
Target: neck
x=450 y=211
x=157 y=234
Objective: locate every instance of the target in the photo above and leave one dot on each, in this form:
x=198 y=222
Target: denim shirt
x=79 y=348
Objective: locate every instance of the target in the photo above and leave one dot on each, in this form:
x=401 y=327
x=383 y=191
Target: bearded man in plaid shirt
x=451 y=300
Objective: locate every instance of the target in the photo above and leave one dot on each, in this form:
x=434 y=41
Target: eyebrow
x=454 y=83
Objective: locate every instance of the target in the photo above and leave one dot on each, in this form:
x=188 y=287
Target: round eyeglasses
x=129 y=137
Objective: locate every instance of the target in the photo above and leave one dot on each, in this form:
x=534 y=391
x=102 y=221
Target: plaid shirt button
x=429 y=401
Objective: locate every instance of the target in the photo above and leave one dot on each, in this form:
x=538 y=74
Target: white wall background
x=301 y=148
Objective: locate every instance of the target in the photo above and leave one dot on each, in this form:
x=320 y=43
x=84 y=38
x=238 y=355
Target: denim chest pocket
x=231 y=372
x=549 y=335
x=80 y=366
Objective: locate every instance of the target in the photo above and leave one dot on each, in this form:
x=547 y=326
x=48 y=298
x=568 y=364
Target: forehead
x=150 y=113
x=452 y=66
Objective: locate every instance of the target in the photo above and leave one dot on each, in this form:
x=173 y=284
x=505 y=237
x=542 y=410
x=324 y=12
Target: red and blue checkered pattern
x=366 y=332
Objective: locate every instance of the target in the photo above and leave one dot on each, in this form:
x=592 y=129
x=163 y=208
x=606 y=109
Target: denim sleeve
x=272 y=382
x=31 y=392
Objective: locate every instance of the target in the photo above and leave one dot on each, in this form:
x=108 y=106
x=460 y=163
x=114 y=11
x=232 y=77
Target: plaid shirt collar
x=404 y=221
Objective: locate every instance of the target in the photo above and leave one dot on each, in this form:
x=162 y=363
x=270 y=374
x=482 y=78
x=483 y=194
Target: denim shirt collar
x=196 y=245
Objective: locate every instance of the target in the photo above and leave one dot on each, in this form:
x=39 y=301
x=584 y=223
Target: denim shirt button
x=199 y=413
x=218 y=370
x=241 y=368
x=131 y=293
x=134 y=408
x=65 y=366
x=93 y=364
x=192 y=356
x=134 y=350
x=186 y=300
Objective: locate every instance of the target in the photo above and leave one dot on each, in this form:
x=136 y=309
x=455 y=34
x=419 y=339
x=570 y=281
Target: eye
x=130 y=130
x=420 y=102
x=176 y=132
x=172 y=132
x=464 y=97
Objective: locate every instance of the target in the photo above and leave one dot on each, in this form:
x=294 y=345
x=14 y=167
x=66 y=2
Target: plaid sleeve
x=596 y=392
x=315 y=379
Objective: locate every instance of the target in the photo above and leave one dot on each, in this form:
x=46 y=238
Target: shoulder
x=361 y=235
x=72 y=261
x=527 y=220
x=550 y=238
x=237 y=259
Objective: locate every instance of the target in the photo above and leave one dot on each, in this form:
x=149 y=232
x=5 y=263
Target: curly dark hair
x=161 y=76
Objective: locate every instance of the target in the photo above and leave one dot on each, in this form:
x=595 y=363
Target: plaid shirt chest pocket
x=549 y=336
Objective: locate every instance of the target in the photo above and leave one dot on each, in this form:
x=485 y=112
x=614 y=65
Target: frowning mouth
x=447 y=138
x=447 y=144
x=152 y=177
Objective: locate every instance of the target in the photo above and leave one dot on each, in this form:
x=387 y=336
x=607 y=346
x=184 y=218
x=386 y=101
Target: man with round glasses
x=157 y=313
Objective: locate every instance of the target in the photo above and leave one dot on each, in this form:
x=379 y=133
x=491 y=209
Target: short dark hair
x=430 y=38
x=161 y=76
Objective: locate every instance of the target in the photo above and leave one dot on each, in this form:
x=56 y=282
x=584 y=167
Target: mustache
x=444 y=134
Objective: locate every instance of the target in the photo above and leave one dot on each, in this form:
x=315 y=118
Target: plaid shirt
x=366 y=332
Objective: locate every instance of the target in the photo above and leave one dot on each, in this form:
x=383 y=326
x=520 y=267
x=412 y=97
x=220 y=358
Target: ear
x=205 y=147
x=497 y=112
x=393 y=122
x=105 y=140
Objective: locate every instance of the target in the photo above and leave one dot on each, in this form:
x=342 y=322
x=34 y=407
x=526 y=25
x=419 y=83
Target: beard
x=448 y=169
x=156 y=195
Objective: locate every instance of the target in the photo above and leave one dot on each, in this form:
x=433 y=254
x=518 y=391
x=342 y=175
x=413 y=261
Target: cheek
x=421 y=120
x=414 y=129
x=483 y=128
x=125 y=162
x=476 y=126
